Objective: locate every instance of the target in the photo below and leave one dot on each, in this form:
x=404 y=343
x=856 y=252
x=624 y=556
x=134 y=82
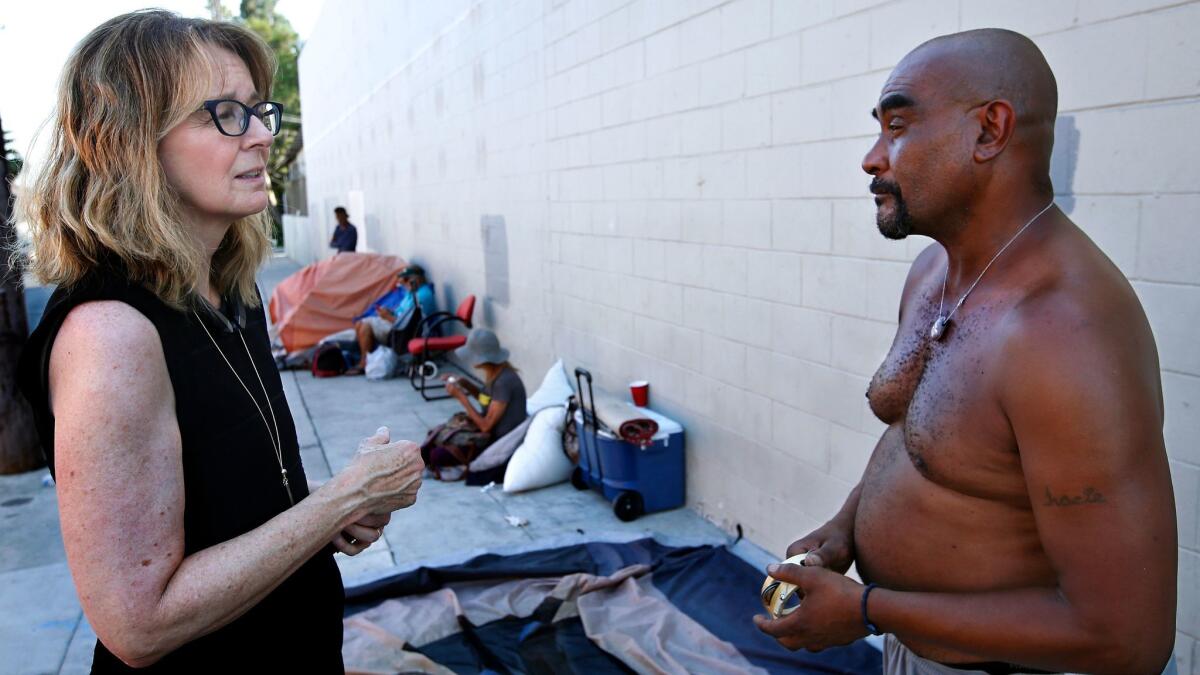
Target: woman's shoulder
x=512 y=379
x=85 y=327
x=102 y=308
x=111 y=328
x=107 y=350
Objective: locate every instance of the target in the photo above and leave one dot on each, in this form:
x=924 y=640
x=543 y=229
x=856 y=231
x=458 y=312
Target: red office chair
x=429 y=348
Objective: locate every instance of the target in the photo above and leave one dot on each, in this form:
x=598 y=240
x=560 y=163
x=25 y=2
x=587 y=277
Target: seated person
x=459 y=441
x=373 y=327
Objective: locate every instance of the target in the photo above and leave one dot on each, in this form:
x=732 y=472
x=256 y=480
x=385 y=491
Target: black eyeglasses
x=233 y=117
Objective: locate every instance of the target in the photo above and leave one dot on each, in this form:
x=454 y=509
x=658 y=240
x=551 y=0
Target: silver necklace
x=275 y=438
x=942 y=322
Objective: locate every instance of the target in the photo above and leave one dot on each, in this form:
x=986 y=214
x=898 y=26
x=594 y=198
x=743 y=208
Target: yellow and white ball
x=776 y=594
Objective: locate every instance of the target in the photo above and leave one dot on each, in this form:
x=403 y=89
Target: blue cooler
x=636 y=480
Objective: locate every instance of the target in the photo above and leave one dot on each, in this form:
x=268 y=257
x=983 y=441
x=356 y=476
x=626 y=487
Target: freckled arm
x=120 y=488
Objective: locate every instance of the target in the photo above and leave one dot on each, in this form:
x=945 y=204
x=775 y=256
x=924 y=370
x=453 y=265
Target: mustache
x=884 y=187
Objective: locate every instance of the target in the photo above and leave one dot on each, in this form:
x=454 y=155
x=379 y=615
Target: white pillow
x=540 y=461
x=555 y=390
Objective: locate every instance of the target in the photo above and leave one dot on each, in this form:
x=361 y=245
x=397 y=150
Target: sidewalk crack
x=70 y=641
x=312 y=423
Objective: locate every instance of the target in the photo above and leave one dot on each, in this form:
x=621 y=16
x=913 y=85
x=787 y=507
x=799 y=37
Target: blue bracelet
x=871 y=628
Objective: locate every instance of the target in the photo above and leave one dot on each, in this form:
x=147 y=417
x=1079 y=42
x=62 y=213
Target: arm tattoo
x=1089 y=496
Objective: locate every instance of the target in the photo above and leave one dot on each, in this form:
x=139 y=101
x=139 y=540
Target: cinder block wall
x=670 y=190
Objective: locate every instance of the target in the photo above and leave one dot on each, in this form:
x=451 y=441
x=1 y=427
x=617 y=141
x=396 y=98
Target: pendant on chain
x=938 y=331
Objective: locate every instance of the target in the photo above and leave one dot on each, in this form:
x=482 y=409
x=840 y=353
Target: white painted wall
x=682 y=201
x=299 y=233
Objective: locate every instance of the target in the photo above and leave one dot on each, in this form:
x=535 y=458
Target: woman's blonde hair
x=102 y=198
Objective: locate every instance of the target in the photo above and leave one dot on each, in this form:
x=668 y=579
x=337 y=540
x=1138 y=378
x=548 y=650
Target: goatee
x=896 y=224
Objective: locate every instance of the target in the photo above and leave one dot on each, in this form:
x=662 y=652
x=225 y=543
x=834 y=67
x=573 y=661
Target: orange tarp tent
x=324 y=297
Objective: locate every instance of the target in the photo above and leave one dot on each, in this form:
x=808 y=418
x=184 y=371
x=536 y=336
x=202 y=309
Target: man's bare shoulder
x=1079 y=316
x=1076 y=289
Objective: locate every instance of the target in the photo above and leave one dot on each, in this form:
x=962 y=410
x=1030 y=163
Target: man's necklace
x=275 y=438
x=942 y=322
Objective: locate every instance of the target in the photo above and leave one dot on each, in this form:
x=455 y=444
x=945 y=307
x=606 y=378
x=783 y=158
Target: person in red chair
x=418 y=302
x=502 y=405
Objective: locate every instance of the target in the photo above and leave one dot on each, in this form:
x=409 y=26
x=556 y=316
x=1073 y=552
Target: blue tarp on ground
x=713 y=587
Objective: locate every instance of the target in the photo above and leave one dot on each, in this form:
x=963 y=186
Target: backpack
x=328 y=361
x=461 y=439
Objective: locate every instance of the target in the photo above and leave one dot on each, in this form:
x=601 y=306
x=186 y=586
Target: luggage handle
x=588 y=417
x=580 y=374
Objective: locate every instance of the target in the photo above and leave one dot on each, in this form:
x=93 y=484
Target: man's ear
x=997 y=122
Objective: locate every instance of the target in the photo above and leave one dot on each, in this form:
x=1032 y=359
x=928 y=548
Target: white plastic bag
x=381 y=363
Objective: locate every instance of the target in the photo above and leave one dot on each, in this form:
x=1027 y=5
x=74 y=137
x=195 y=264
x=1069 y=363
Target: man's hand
x=829 y=614
x=831 y=546
x=385 y=313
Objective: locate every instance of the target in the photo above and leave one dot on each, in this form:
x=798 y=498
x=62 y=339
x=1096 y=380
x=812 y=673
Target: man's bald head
x=964 y=119
x=994 y=64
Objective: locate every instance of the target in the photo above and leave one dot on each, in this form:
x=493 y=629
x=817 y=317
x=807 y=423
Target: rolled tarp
x=625 y=420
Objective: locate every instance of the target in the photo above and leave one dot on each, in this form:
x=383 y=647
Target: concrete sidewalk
x=42 y=629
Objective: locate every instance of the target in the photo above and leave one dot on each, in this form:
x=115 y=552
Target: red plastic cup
x=640 y=391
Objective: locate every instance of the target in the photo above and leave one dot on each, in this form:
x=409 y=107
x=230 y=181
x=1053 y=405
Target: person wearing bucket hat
x=501 y=400
x=483 y=347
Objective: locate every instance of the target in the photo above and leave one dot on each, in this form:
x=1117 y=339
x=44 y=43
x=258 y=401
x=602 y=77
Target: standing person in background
x=190 y=531
x=345 y=235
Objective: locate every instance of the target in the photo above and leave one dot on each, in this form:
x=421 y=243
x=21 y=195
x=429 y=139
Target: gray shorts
x=899 y=660
x=379 y=327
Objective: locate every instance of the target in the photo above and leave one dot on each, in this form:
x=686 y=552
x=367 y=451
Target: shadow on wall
x=1063 y=161
x=494 y=235
x=450 y=300
x=326 y=223
x=369 y=235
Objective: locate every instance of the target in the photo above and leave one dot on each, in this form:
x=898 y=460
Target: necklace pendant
x=938 y=331
x=287 y=488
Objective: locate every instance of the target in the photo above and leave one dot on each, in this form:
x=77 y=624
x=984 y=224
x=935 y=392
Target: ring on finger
x=352 y=541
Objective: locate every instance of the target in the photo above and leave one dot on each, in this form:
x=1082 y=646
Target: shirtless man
x=1018 y=509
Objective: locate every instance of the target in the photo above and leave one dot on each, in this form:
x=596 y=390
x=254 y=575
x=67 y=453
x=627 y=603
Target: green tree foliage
x=14 y=159
x=274 y=28
x=260 y=16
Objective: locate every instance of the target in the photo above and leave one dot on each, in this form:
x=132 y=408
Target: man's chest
x=944 y=397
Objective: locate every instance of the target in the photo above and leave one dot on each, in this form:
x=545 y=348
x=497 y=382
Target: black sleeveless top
x=231 y=477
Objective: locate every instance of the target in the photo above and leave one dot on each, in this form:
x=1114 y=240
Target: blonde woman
x=188 y=524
